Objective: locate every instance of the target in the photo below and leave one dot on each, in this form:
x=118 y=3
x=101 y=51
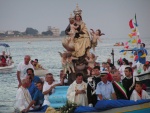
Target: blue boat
x=59 y=97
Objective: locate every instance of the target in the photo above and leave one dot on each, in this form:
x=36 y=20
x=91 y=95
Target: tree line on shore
x=29 y=32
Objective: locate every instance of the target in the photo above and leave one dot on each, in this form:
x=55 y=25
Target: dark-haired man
x=77 y=91
x=34 y=78
x=91 y=87
x=128 y=81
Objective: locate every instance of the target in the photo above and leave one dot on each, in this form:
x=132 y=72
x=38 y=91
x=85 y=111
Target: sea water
x=47 y=54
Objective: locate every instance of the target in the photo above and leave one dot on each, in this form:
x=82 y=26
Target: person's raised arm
x=18 y=77
x=48 y=91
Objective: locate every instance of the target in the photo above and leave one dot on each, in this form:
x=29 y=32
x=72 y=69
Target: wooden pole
x=112 y=53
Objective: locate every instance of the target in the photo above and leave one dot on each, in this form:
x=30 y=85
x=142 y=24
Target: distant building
x=56 y=31
x=10 y=32
x=2 y=32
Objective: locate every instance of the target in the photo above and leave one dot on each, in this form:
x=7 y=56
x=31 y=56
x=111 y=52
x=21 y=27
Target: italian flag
x=133 y=22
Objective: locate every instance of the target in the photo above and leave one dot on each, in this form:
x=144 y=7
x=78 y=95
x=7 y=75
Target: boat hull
x=40 y=73
x=125 y=109
x=7 y=67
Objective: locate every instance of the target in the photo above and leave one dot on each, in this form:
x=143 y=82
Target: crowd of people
x=88 y=80
x=105 y=82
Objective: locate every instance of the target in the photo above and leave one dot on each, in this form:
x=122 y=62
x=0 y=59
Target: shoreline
x=30 y=39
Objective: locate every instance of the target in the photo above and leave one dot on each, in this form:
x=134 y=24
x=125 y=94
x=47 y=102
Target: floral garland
x=69 y=107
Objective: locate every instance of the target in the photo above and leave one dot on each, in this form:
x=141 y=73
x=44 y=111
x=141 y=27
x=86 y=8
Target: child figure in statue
x=91 y=62
x=95 y=37
x=70 y=65
x=64 y=61
x=73 y=28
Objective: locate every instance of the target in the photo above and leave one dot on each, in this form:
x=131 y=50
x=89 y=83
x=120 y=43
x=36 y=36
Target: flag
x=133 y=22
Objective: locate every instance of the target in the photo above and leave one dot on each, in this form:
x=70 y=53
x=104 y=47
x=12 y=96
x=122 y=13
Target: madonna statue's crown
x=77 y=10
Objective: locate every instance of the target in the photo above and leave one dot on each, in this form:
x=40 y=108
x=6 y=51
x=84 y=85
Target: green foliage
x=62 y=33
x=31 y=31
x=46 y=33
x=69 y=107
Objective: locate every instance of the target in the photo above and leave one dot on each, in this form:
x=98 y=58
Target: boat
x=119 y=44
x=59 y=97
x=140 y=106
x=40 y=72
x=8 y=53
x=8 y=67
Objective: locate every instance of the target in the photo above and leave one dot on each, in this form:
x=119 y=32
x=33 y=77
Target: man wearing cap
x=104 y=89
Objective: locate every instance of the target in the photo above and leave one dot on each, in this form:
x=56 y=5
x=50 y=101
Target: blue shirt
x=32 y=89
x=36 y=79
x=140 y=53
x=38 y=97
x=105 y=90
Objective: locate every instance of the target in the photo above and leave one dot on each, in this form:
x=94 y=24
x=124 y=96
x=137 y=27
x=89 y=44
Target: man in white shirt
x=22 y=67
x=23 y=97
x=48 y=88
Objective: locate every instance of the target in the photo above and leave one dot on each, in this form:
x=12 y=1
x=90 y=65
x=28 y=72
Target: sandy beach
x=29 y=39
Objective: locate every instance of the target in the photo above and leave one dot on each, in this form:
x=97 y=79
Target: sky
x=111 y=16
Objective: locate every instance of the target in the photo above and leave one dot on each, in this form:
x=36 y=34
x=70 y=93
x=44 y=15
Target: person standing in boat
x=138 y=93
x=104 y=89
x=34 y=78
x=129 y=81
x=118 y=86
x=77 y=91
x=23 y=97
x=81 y=38
x=123 y=66
x=48 y=87
x=32 y=88
x=63 y=78
x=37 y=100
x=142 y=53
x=92 y=84
x=22 y=69
x=37 y=65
